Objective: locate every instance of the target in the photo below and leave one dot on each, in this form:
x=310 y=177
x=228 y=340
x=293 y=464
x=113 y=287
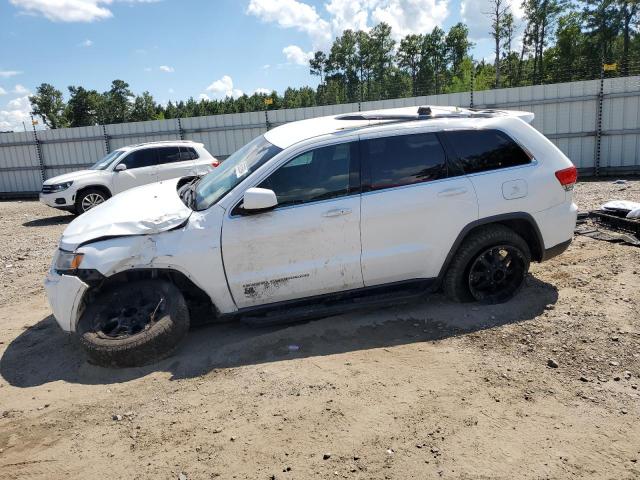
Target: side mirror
x=259 y=199
x=120 y=167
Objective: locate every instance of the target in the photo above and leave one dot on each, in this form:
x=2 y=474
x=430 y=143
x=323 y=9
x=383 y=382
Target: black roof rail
x=423 y=113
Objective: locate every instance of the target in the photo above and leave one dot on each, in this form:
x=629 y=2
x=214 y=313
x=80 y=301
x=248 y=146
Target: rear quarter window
x=483 y=150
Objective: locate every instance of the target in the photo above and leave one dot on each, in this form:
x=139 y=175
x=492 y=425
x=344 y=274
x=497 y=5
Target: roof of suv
x=161 y=143
x=439 y=117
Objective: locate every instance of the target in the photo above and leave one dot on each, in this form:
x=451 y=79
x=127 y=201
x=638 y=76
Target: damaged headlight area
x=58 y=187
x=66 y=261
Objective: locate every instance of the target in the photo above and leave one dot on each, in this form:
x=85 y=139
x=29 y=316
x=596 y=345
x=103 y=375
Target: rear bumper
x=65 y=293
x=556 y=250
x=556 y=225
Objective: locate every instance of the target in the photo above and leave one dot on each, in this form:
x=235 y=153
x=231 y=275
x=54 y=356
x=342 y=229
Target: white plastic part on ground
x=633 y=208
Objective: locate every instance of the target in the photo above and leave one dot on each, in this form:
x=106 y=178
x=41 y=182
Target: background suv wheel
x=489 y=267
x=90 y=198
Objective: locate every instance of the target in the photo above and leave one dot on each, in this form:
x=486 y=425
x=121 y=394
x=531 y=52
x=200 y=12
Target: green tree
x=458 y=46
x=117 y=102
x=83 y=107
x=409 y=57
x=49 y=105
x=144 y=108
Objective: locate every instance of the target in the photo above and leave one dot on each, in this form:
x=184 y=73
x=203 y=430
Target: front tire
x=134 y=324
x=90 y=198
x=489 y=267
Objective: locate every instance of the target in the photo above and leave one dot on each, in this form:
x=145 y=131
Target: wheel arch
x=521 y=223
x=96 y=186
x=198 y=301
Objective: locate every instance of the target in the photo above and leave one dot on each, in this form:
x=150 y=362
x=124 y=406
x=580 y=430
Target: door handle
x=452 y=192
x=336 y=212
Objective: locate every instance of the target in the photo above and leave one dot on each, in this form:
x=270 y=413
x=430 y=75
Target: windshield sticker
x=241 y=169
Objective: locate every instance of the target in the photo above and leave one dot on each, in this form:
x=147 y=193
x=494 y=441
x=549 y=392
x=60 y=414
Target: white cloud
x=17 y=111
x=349 y=14
x=20 y=90
x=411 y=16
x=167 y=69
x=293 y=14
x=296 y=55
x=70 y=10
x=203 y=96
x=9 y=73
x=2 y=91
x=86 y=43
x=147 y=69
x=262 y=91
x=224 y=88
x=171 y=90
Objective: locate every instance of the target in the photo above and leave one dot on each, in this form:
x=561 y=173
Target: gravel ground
x=545 y=386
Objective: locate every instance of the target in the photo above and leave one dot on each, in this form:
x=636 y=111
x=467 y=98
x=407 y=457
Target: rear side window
x=482 y=150
x=168 y=155
x=403 y=160
x=141 y=158
x=188 y=153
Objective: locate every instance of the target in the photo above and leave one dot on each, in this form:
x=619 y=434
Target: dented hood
x=143 y=210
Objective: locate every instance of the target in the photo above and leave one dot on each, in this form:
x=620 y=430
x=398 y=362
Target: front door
x=310 y=243
x=141 y=169
x=413 y=209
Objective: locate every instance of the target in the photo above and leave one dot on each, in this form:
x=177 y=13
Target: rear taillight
x=567 y=177
x=215 y=163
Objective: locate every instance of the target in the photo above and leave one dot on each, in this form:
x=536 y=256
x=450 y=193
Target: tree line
x=561 y=41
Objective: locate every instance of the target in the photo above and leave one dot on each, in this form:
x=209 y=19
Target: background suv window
x=319 y=174
x=188 y=153
x=481 y=150
x=403 y=160
x=168 y=155
x=141 y=158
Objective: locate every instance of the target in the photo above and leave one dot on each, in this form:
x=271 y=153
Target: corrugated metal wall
x=576 y=116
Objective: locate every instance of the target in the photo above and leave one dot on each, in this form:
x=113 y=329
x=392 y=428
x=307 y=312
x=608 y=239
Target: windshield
x=103 y=163
x=215 y=185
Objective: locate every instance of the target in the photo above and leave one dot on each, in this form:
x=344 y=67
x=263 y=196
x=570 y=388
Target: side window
x=319 y=174
x=146 y=157
x=188 y=153
x=403 y=160
x=481 y=150
x=168 y=155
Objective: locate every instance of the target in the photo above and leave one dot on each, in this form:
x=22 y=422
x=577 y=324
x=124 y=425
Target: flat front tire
x=489 y=267
x=134 y=324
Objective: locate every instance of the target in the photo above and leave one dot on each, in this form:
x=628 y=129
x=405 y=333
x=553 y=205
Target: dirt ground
x=426 y=390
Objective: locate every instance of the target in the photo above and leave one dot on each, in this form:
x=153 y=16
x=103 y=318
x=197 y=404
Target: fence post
x=600 y=100
x=180 y=130
x=107 y=147
x=38 y=149
x=473 y=82
x=266 y=118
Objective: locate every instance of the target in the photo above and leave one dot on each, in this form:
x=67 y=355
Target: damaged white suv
x=315 y=217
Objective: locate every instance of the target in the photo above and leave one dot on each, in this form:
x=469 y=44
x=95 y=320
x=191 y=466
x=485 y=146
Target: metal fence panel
x=566 y=112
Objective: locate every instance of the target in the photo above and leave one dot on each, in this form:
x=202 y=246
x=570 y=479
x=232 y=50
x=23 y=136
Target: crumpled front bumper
x=65 y=294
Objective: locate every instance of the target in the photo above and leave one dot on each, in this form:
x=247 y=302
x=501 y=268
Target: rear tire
x=489 y=267
x=90 y=198
x=134 y=324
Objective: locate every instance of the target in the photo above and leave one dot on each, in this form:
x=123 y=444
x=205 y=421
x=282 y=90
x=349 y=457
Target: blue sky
x=181 y=48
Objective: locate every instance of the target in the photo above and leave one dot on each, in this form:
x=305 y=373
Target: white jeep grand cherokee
x=315 y=217
x=123 y=169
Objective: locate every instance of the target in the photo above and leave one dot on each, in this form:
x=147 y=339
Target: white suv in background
x=316 y=217
x=123 y=169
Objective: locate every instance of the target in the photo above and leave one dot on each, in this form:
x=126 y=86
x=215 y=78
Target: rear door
x=505 y=176
x=310 y=243
x=141 y=169
x=413 y=207
x=173 y=162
